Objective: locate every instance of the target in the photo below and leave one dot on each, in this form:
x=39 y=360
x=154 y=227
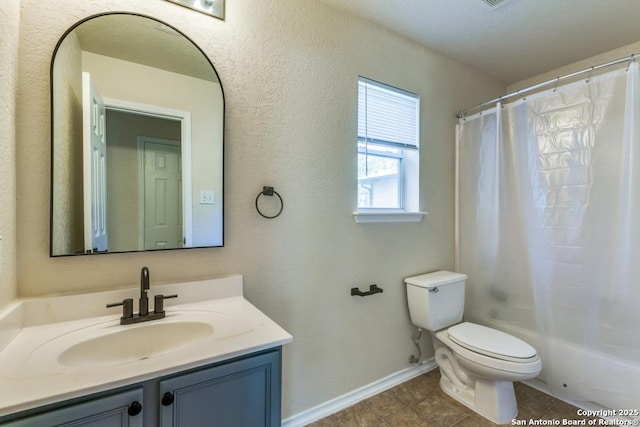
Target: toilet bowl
x=482 y=379
x=478 y=364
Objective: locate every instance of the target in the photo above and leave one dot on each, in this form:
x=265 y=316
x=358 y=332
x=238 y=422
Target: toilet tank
x=436 y=300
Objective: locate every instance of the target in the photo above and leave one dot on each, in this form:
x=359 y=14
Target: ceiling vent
x=494 y=4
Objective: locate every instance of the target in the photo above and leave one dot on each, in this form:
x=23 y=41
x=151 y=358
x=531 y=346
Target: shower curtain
x=549 y=232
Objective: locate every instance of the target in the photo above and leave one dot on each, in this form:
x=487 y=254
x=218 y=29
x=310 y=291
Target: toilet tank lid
x=437 y=278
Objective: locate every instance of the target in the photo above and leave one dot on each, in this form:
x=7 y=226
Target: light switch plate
x=207 y=197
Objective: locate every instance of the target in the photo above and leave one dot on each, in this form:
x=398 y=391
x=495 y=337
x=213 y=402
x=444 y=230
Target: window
x=388 y=161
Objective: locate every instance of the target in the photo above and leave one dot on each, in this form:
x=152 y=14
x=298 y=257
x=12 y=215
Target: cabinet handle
x=167 y=399
x=134 y=409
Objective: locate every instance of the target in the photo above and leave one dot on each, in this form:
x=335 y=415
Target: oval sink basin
x=135 y=343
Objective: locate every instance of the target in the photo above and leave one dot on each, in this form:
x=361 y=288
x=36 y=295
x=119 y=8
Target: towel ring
x=269 y=191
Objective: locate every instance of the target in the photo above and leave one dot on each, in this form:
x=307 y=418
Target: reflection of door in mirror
x=162 y=195
x=129 y=215
x=94 y=168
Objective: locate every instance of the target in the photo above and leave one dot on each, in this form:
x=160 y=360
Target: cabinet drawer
x=109 y=411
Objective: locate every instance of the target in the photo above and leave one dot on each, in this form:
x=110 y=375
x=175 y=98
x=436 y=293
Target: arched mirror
x=137 y=139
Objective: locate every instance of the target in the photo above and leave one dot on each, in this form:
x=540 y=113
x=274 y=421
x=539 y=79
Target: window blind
x=387 y=115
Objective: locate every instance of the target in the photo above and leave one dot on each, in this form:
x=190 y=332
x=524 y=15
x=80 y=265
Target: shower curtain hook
x=555 y=88
x=590 y=73
x=523 y=98
x=632 y=59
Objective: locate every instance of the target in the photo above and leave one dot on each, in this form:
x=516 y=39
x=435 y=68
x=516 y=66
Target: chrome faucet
x=143 y=311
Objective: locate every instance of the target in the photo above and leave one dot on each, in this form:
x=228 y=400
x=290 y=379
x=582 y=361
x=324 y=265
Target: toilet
x=478 y=364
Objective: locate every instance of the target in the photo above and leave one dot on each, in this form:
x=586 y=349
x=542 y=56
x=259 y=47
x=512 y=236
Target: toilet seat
x=491 y=342
x=530 y=365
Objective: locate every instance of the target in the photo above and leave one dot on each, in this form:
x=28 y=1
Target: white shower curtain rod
x=629 y=59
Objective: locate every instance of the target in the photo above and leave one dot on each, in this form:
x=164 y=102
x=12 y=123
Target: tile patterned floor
x=420 y=402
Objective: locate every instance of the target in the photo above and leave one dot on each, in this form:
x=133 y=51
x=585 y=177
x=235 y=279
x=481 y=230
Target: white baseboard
x=341 y=402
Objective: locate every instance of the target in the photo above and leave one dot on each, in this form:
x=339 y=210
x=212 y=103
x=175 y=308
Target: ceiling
x=144 y=41
x=514 y=41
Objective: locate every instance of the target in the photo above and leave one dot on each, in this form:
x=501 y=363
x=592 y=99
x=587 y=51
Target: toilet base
x=494 y=400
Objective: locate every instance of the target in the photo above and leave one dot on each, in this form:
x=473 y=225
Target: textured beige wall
x=603 y=58
x=289 y=71
x=9 y=26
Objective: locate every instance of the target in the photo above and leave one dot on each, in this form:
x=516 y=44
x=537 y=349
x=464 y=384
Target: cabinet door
x=111 y=411
x=244 y=393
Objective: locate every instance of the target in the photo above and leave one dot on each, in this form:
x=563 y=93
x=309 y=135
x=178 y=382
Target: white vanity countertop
x=31 y=375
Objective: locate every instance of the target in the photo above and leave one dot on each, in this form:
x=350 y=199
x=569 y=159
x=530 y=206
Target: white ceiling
x=514 y=41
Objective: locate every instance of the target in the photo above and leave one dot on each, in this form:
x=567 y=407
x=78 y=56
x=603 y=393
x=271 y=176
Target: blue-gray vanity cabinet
x=242 y=393
x=119 y=410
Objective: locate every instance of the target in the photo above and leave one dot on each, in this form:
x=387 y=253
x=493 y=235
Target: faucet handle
x=127 y=307
x=158 y=302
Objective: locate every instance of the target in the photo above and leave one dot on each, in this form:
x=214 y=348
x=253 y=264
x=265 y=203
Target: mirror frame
x=52 y=133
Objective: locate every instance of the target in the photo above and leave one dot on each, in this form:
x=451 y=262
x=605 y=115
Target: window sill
x=364 y=217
